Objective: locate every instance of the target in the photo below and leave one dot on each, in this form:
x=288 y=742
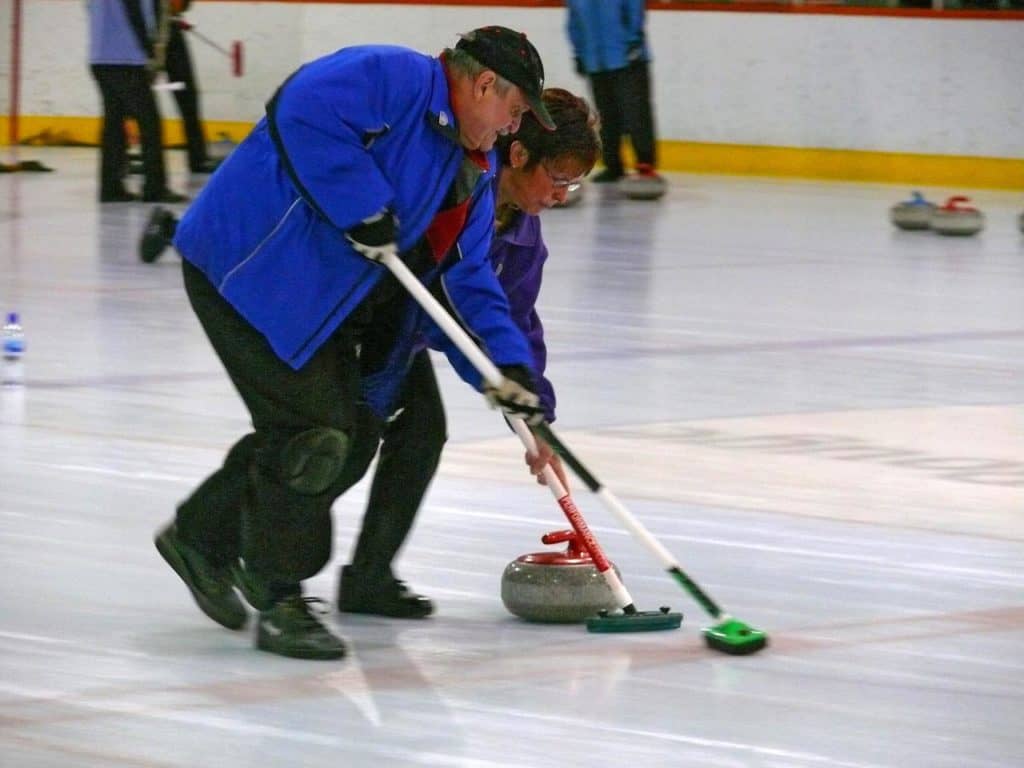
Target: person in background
x=610 y=47
x=537 y=169
x=124 y=53
x=179 y=69
x=368 y=151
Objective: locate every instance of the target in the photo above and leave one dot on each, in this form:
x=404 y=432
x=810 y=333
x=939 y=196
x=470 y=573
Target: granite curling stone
x=556 y=587
x=915 y=213
x=644 y=184
x=956 y=217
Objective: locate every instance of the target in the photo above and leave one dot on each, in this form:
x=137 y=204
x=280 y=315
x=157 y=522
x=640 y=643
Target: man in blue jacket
x=369 y=150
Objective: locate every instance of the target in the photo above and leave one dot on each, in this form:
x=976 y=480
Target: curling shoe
x=289 y=628
x=210 y=585
x=164 y=196
x=209 y=165
x=118 y=196
x=391 y=598
x=157 y=235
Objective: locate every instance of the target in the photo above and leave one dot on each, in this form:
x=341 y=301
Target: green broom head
x=735 y=637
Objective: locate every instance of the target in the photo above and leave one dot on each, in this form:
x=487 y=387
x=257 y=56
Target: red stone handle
x=958 y=203
x=575 y=550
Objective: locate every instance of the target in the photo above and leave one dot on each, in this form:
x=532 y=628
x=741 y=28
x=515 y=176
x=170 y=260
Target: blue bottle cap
x=12 y=317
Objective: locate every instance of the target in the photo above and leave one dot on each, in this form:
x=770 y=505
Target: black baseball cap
x=512 y=56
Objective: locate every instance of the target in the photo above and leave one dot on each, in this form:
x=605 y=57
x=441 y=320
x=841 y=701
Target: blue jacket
x=120 y=32
x=359 y=130
x=607 y=34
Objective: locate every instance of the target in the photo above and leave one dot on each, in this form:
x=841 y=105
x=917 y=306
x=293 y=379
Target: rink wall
x=917 y=99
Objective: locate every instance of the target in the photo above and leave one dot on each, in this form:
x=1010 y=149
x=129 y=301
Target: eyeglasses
x=561 y=183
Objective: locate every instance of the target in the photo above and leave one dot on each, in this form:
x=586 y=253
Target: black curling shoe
x=210 y=585
x=391 y=598
x=289 y=628
x=157 y=235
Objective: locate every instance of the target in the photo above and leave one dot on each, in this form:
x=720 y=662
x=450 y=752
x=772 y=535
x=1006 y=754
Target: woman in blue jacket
x=370 y=150
x=537 y=169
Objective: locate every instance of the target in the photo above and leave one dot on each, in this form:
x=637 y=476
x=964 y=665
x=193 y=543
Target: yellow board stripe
x=684 y=156
x=844 y=164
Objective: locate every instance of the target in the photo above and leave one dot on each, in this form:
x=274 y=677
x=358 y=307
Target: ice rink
x=822 y=417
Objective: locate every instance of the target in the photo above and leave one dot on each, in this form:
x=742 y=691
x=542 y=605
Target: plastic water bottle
x=13 y=351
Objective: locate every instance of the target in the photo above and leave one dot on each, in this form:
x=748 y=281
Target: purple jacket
x=518 y=255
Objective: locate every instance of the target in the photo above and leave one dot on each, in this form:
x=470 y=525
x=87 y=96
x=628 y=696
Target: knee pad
x=312 y=460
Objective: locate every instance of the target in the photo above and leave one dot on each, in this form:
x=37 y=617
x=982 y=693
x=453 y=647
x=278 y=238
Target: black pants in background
x=179 y=69
x=247 y=508
x=126 y=93
x=623 y=100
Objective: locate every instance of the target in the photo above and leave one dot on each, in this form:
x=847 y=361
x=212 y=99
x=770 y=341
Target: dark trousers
x=179 y=69
x=409 y=454
x=248 y=507
x=126 y=93
x=623 y=99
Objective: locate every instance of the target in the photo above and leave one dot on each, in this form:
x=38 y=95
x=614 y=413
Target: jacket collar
x=522 y=232
x=440 y=114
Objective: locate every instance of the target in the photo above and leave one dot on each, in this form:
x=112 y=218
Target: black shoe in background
x=118 y=196
x=210 y=585
x=164 y=196
x=157 y=235
x=391 y=597
x=206 y=166
x=289 y=628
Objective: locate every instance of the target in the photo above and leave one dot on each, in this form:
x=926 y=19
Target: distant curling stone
x=957 y=218
x=644 y=184
x=556 y=587
x=915 y=213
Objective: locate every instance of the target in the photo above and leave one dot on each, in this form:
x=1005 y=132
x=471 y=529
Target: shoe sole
x=420 y=614
x=180 y=567
x=310 y=655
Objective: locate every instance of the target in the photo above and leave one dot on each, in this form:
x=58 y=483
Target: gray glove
x=376 y=236
x=515 y=396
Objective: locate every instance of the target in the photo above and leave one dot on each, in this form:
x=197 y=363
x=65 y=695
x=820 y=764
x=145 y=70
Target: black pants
x=179 y=69
x=623 y=99
x=409 y=454
x=248 y=507
x=126 y=93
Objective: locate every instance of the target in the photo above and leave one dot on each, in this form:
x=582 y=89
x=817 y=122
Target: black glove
x=375 y=237
x=578 y=62
x=516 y=395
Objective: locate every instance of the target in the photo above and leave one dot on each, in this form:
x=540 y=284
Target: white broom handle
x=439 y=315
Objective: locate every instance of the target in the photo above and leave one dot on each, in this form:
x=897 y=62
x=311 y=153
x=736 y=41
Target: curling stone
x=556 y=587
x=645 y=184
x=915 y=213
x=957 y=218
